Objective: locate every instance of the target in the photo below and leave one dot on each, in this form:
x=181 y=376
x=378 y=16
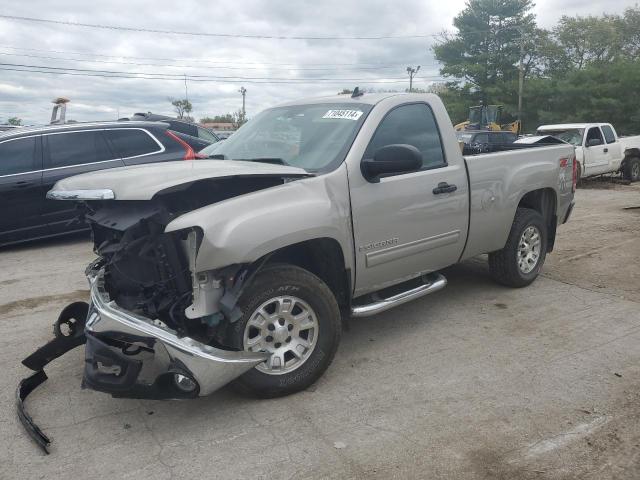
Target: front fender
x=245 y=228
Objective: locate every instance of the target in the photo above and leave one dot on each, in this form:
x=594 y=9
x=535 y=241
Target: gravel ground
x=478 y=381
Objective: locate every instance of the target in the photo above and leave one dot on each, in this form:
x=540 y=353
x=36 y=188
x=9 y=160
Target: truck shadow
x=467 y=281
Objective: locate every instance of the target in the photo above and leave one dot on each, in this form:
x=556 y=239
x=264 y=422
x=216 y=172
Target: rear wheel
x=519 y=262
x=291 y=314
x=632 y=169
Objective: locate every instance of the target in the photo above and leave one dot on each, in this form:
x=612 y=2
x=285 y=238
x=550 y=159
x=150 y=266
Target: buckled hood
x=142 y=182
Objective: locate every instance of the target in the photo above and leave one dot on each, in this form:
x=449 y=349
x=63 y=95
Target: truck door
x=613 y=146
x=405 y=225
x=21 y=190
x=596 y=153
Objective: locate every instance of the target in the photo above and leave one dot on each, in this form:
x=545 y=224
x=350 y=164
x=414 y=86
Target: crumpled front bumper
x=129 y=355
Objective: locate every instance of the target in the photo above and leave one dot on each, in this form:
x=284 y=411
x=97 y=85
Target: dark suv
x=195 y=135
x=33 y=159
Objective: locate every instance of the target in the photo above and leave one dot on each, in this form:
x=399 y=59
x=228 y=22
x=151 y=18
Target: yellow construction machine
x=487 y=117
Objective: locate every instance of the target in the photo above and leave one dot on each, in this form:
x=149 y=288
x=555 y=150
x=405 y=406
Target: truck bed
x=499 y=180
x=629 y=142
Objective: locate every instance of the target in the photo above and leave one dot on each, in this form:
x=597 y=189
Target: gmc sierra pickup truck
x=239 y=268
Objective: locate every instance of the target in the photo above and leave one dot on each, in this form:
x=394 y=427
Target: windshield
x=570 y=135
x=475 y=115
x=312 y=137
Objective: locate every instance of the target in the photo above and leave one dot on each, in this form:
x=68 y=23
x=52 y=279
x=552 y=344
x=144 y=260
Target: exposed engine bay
x=150 y=272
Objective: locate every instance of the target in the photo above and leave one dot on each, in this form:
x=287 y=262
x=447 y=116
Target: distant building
x=223 y=126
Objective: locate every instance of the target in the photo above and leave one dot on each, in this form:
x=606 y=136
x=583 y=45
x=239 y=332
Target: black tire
x=283 y=279
x=632 y=169
x=503 y=264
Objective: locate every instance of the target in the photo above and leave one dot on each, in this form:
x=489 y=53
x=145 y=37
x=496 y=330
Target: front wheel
x=291 y=314
x=519 y=262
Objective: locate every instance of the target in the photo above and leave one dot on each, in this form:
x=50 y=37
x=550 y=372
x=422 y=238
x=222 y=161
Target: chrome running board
x=432 y=283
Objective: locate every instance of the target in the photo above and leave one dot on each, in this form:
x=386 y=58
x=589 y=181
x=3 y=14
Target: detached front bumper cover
x=74 y=316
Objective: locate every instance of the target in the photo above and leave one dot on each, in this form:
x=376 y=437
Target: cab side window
x=609 y=136
x=411 y=125
x=18 y=156
x=594 y=133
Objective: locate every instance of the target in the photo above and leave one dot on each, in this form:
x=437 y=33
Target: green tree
x=630 y=30
x=485 y=51
x=182 y=107
x=456 y=99
x=239 y=119
x=586 y=40
x=15 y=121
x=595 y=93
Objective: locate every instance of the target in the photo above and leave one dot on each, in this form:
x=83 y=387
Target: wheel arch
x=629 y=153
x=545 y=202
x=324 y=258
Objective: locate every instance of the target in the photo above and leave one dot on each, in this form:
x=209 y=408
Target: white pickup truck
x=599 y=149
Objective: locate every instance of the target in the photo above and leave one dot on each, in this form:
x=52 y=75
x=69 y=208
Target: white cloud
x=28 y=95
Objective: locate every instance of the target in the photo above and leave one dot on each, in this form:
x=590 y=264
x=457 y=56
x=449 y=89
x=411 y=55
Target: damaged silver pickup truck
x=241 y=267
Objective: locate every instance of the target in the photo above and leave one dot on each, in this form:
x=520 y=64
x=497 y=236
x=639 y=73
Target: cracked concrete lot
x=477 y=381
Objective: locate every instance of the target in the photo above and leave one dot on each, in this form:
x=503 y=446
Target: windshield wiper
x=273 y=160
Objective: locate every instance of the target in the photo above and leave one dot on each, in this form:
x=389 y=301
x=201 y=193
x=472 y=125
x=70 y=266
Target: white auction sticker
x=346 y=114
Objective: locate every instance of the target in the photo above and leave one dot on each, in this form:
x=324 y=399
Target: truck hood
x=142 y=182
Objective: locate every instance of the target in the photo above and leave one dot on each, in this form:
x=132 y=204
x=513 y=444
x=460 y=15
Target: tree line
x=584 y=69
x=183 y=109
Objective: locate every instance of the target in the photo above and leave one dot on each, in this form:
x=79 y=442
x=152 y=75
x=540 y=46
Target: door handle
x=23 y=184
x=444 y=187
x=606 y=150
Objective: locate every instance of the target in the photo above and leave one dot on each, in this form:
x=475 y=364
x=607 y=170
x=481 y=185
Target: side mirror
x=594 y=142
x=391 y=160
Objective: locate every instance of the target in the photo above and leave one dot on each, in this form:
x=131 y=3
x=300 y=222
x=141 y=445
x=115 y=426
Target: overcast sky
x=379 y=64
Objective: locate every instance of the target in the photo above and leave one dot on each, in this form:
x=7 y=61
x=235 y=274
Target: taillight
x=574 y=171
x=189 y=153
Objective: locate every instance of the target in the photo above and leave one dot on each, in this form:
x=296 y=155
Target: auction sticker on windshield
x=345 y=114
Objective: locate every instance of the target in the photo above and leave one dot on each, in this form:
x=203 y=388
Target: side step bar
x=432 y=283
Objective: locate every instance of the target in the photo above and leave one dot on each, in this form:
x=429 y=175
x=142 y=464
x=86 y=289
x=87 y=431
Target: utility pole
x=412 y=71
x=520 y=79
x=243 y=91
x=520 y=71
x=186 y=92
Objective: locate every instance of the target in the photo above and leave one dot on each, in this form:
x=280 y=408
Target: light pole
x=243 y=91
x=412 y=71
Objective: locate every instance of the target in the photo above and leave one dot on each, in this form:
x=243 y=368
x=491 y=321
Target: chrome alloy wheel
x=529 y=249
x=287 y=328
x=635 y=171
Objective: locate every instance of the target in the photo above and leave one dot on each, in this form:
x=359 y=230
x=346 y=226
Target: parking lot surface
x=477 y=381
